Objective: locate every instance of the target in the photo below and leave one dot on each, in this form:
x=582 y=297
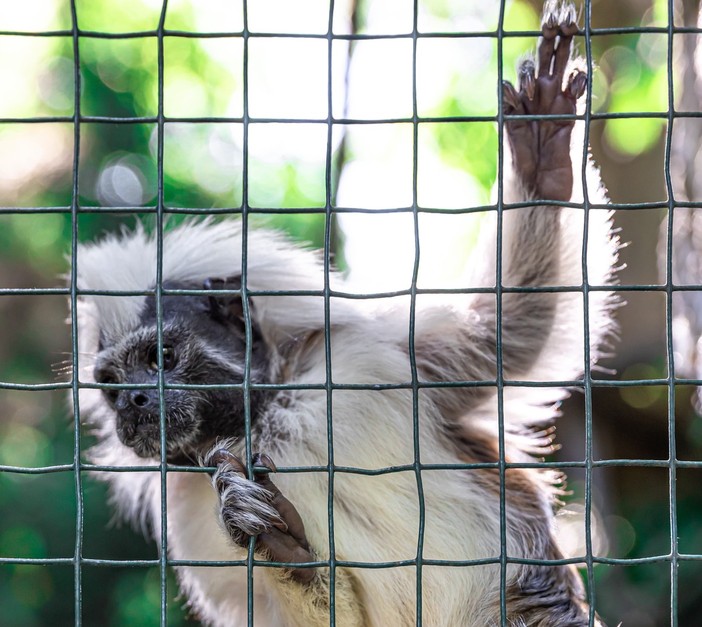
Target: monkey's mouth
x=143 y=436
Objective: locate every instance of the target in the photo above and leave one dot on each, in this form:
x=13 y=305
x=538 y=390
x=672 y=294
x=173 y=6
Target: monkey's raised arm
x=541 y=331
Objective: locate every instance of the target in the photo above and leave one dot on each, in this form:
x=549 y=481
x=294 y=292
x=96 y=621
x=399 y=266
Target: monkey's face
x=203 y=343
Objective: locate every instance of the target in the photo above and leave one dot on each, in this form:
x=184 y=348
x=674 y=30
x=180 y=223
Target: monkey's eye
x=169 y=358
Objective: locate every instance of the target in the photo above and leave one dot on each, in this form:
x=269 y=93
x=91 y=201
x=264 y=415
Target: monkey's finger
x=577 y=84
x=546 y=47
x=569 y=20
x=547 y=41
x=287 y=511
x=511 y=101
x=527 y=78
x=222 y=456
x=567 y=27
x=562 y=55
x=550 y=13
x=282 y=547
x=288 y=514
x=261 y=459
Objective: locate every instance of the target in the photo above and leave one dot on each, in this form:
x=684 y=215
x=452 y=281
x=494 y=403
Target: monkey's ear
x=225 y=307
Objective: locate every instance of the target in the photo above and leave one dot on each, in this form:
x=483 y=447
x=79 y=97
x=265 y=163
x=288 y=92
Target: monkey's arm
x=258 y=509
x=541 y=332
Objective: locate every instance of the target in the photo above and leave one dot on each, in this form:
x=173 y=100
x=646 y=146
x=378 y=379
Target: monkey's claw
x=541 y=148
x=527 y=78
x=258 y=509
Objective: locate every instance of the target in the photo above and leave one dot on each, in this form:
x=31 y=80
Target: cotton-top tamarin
x=402 y=402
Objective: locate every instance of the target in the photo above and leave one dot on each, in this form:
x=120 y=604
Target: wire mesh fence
x=662 y=535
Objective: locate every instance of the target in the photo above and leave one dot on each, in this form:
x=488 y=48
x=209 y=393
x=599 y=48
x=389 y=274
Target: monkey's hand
x=258 y=509
x=541 y=148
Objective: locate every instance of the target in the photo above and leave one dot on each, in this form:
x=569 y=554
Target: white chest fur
x=217 y=594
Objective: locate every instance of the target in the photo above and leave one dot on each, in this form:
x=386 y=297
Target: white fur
x=200 y=250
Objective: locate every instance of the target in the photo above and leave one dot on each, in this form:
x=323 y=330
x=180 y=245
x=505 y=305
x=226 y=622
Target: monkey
x=353 y=463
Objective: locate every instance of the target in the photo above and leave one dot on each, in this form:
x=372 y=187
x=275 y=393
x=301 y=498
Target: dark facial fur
x=204 y=343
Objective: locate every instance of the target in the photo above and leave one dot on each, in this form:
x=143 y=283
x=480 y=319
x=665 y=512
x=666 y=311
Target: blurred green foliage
x=203 y=167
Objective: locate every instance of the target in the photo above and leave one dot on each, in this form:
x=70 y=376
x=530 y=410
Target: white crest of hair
x=191 y=253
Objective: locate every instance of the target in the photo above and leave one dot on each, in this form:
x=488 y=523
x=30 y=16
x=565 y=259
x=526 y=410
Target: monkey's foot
x=258 y=509
x=541 y=148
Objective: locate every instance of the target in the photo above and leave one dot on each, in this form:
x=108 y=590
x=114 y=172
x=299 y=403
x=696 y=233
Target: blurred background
x=371 y=166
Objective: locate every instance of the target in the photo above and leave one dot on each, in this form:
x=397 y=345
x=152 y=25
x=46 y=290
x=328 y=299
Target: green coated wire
x=672 y=454
x=246 y=120
x=587 y=367
x=499 y=291
x=327 y=294
x=76 y=467
x=417 y=467
x=158 y=297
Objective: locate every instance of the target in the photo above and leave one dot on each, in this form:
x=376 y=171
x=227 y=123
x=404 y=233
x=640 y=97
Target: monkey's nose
x=140 y=399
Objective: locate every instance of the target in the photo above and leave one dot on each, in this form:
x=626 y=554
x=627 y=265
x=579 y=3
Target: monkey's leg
x=541 y=148
x=258 y=508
